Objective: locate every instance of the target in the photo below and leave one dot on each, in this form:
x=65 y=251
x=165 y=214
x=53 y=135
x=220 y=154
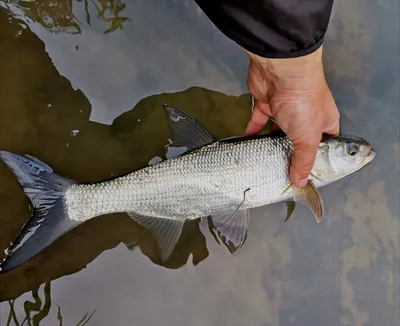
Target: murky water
x=81 y=88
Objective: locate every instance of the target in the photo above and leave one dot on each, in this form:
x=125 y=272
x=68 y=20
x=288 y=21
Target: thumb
x=305 y=151
x=332 y=116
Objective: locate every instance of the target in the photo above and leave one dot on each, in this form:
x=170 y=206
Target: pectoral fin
x=310 y=197
x=290 y=205
x=166 y=231
x=231 y=229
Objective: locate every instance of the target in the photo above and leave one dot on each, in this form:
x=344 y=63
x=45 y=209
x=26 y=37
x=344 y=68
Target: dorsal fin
x=187 y=132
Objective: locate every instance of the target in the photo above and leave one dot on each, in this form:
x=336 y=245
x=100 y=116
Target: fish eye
x=352 y=149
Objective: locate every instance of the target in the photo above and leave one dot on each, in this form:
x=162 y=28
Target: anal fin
x=166 y=231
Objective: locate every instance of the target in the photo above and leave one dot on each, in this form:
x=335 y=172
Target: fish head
x=338 y=157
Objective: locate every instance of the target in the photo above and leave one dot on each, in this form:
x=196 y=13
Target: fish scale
x=222 y=179
x=203 y=182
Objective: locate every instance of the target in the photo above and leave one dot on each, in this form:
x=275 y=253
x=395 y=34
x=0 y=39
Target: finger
x=332 y=125
x=257 y=121
x=305 y=151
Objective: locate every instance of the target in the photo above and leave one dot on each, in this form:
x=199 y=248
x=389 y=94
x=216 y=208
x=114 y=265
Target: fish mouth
x=370 y=156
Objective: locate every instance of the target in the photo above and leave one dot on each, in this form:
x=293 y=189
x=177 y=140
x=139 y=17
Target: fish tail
x=49 y=219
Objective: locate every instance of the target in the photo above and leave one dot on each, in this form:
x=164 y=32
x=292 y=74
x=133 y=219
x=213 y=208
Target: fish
x=220 y=180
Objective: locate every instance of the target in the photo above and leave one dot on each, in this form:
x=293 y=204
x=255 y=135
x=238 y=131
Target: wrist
x=300 y=67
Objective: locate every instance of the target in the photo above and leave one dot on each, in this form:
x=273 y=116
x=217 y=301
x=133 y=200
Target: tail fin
x=49 y=219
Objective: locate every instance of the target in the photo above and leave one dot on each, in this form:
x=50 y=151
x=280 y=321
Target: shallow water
x=81 y=88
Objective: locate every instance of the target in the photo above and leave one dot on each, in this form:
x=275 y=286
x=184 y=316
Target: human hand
x=295 y=94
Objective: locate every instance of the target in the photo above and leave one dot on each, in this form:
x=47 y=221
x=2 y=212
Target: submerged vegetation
x=58 y=16
x=38 y=309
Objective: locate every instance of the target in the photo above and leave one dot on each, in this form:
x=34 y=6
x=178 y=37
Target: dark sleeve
x=272 y=28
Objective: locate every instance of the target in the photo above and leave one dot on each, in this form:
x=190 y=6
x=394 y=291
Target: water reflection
x=42 y=306
x=59 y=16
x=342 y=272
x=54 y=127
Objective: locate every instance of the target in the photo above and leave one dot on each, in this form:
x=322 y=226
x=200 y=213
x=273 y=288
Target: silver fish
x=221 y=179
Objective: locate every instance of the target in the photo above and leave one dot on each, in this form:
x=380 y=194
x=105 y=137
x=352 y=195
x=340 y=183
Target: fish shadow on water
x=98 y=152
x=43 y=116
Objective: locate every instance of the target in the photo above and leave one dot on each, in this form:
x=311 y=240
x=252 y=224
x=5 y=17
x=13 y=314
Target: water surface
x=81 y=88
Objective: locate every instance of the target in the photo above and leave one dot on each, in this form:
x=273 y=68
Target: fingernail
x=302 y=182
